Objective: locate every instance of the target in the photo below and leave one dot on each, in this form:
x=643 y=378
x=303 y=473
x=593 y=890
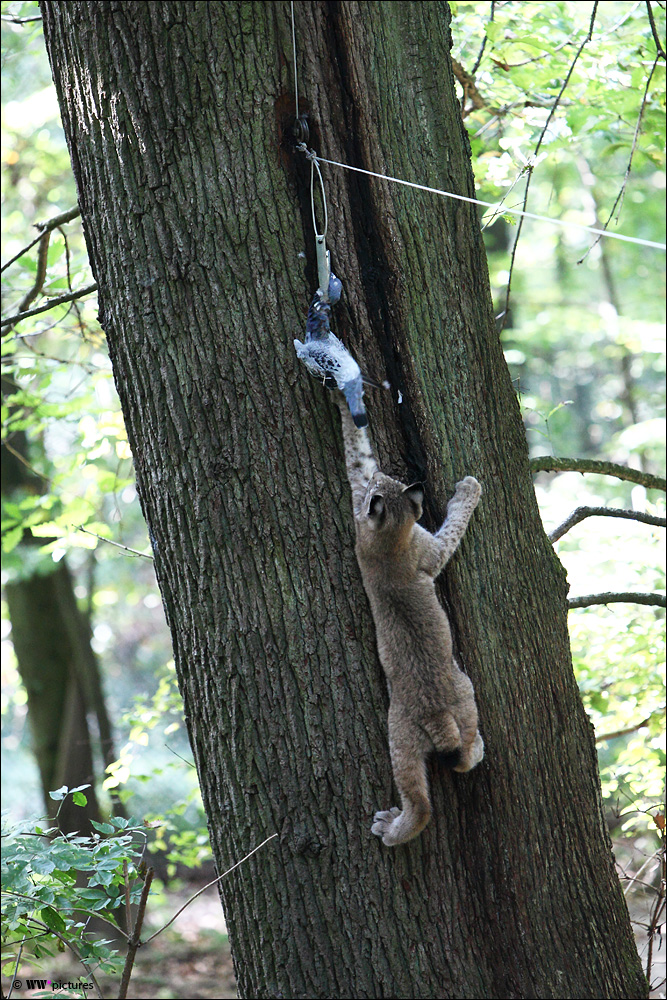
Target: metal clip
x=323 y=266
x=323 y=256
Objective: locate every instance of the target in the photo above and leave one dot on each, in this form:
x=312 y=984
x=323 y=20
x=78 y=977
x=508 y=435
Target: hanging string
x=502 y=210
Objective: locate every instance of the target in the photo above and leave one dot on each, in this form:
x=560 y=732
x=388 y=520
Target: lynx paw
x=474 y=755
x=382 y=824
x=469 y=489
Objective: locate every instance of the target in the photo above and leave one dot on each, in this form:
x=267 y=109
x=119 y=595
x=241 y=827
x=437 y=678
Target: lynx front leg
x=459 y=512
x=359 y=459
x=408 y=760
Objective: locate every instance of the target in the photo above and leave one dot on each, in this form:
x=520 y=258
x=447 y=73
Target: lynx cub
x=432 y=703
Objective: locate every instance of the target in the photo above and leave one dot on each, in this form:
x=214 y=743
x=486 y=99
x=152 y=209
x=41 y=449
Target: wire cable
x=502 y=210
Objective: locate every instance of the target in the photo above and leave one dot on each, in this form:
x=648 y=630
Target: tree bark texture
x=196 y=213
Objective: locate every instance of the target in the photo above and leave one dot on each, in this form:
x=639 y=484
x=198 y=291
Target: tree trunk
x=195 y=211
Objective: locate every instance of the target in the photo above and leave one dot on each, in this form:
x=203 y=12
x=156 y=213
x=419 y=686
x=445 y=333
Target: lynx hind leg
x=472 y=744
x=471 y=755
x=445 y=737
x=408 y=760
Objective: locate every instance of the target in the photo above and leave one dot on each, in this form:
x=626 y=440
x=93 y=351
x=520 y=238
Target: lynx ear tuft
x=415 y=494
x=376 y=507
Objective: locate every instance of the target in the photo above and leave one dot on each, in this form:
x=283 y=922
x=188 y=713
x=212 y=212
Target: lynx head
x=390 y=511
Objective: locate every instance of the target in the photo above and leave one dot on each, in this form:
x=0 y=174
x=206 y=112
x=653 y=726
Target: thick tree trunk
x=195 y=216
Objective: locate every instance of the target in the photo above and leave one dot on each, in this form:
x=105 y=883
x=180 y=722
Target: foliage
x=618 y=700
x=581 y=326
x=52 y=884
x=584 y=338
x=179 y=828
x=528 y=54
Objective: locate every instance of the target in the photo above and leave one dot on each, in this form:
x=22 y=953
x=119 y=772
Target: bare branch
x=621 y=193
x=544 y=55
x=656 y=916
x=208 y=885
x=631 y=729
x=134 y=552
x=483 y=46
x=656 y=37
x=470 y=91
x=40 y=275
x=582 y=512
x=59 y=301
x=25 y=462
x=628 y=598
x=20 y=20
x=529 y=171
x=546 y=463
x=44 y=227
x=16 y=968
x=467 y=79
x=135 y=940
x=128 y=905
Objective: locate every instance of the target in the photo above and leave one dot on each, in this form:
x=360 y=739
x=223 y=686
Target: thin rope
x=296 y=79
x=499 y=208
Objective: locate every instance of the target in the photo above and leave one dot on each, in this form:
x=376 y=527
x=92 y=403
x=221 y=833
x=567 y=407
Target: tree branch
x=208 y=886
x=40 y=276
x=627 y=598
x=483 y=45
x=135 y=940
x=59 y=301
x=630 y=729
x=44 y=227
x=546 y=463
x=470 y=90
x=582 y=512
x=555 y=104
x=134 y=552
x=656 y=37
x=20 y=20
x=621 y=194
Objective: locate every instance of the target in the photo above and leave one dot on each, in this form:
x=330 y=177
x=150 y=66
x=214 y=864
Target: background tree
x=199 y=260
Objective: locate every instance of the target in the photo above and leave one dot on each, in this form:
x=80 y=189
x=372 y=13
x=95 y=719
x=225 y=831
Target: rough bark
x=195 y=215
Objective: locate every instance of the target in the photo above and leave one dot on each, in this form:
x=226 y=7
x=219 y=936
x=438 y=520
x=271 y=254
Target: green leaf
x=43 y=865
x=53 y=920
x=102 y=827
x=59 y=793
x=10 y=539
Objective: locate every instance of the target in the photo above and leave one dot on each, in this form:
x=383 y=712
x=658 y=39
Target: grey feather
x=327 y=358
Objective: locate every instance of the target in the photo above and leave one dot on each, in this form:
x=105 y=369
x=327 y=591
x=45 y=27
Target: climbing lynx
x=432 y=703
